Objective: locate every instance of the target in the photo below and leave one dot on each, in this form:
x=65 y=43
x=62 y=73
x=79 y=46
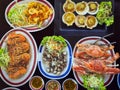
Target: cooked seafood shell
x=69 y=6
x=68 y=18
x=93 y=7
x=80 y=21
x=91 y=22
x=82 y=8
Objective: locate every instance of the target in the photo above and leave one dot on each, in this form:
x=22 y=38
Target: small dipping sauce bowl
x=70 y=84
x=36 y=83
x=52 y=85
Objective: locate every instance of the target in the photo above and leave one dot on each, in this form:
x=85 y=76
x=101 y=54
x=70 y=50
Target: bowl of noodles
x=30 y=15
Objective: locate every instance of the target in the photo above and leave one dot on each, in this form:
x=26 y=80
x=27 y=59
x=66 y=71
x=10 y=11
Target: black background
x=52 y=29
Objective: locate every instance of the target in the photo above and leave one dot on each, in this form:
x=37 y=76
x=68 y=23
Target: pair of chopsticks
x=102 y=38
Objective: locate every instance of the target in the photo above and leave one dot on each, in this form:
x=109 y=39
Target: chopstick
x=103 y=37
x=107 y=44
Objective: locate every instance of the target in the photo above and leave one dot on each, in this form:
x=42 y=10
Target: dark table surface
x=38 y=36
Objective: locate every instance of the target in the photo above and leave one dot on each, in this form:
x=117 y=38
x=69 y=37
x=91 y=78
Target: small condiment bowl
x=49 y=84
x=71 y=83
x=36 y=83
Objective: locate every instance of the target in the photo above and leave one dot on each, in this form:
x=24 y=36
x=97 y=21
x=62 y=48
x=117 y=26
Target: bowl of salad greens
x=29 y=15
x=54 y=57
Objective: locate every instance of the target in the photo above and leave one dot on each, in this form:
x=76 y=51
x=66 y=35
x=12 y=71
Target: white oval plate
x=32 y=63
x=64 y=73
x=30 y=28
x=89 y=40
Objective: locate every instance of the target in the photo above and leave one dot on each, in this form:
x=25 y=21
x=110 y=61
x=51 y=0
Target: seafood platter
x=19 y=66
x=55 y=57
x=94 y=60
x=59 y=45
x=79 y=16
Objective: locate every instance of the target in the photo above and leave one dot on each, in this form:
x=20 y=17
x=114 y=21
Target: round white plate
x=30 y=28
x=32 y=63
x=89 y=40
x=67 y=69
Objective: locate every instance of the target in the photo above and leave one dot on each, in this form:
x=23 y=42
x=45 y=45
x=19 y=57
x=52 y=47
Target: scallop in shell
x=69 y=6
x=80 y=21
x=68 y=18
x=82 y=8
x=93 y=7
x=91 y=22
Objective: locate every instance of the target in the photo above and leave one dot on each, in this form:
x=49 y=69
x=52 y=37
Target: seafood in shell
x=69 y=6
x=93 y=7
x=82 y=8
x=68 y=18
x=91 y=22
x=80 y=21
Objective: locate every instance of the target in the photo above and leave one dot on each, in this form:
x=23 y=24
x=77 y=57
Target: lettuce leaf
x=54 y=43
x=105 y=15
x=4 y=58
x=93 y=82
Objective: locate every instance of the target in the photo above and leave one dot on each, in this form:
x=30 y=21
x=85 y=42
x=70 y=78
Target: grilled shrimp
x=14 y=38
x=21 y=71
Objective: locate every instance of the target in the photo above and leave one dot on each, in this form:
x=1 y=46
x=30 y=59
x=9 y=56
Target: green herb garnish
x=57 y=43
x=105 y=15
x=4 y=58
x=93 y=82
